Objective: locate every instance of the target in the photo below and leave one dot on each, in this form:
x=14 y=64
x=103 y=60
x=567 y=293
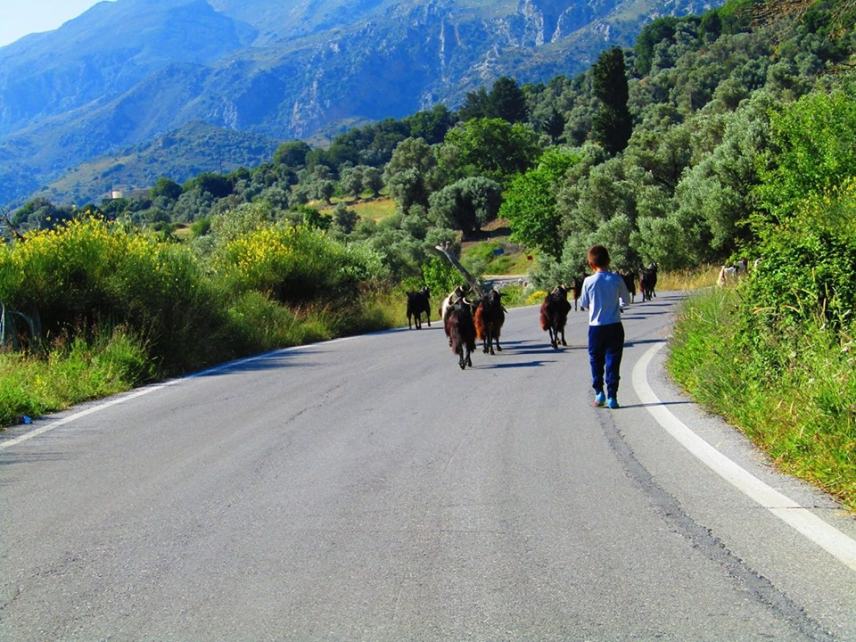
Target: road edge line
x=829 y=538
x=141 y=392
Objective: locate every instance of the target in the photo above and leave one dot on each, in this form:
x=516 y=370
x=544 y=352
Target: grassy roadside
x=803 y=415
x=690 y=279
x=72 y=372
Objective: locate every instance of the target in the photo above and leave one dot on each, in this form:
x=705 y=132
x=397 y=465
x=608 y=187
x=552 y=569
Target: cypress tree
x=507 y=101
x=612 y=125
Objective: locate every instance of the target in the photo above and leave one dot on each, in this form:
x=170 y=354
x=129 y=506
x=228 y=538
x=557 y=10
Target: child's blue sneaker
x=612 y=403
x=599 y=399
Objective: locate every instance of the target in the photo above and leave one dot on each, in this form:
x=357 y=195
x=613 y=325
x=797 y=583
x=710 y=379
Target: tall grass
x=71 y=372
x=802 y=413
x=689 y=279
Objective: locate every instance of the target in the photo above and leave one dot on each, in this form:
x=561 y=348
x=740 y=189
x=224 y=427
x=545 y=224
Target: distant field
x=496 y=254
x=374 y=209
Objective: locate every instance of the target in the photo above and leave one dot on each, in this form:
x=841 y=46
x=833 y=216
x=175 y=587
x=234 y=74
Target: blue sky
x=21 y=17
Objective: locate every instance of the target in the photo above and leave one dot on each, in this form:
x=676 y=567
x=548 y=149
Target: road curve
x=369 y=489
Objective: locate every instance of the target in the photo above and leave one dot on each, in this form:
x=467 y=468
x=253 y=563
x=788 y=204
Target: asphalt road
x=368 y=489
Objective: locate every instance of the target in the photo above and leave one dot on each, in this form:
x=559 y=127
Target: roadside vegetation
x=776 y=354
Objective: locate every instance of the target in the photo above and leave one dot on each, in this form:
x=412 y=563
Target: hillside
x=126 y=72
x=182 y=154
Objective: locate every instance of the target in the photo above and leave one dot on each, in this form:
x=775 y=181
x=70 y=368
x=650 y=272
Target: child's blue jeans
x=606 y=345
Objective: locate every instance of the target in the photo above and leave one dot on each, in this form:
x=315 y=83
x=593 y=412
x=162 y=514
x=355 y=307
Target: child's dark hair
x=598 y=257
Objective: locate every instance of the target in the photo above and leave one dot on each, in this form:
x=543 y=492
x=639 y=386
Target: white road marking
x=804 y=521
x=5 y=445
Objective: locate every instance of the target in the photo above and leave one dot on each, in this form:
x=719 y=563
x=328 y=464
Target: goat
x=461 y=330
x=554 y=314
x=417 y=303
x=648 y=282
x=577 y=289
x=630 y=282
x=727 y=274
x=450 y=300
x=490 y=315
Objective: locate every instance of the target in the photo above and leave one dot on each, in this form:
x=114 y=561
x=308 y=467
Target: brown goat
x=490 y=315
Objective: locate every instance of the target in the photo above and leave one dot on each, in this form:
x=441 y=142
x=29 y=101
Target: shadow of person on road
x=537 y=363
x=659 y=403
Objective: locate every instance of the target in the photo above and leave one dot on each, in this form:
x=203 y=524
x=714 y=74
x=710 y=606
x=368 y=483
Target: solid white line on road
x=810 y=525
x=154 y=388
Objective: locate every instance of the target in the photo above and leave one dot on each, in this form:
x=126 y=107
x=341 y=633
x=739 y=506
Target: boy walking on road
x=603 y=295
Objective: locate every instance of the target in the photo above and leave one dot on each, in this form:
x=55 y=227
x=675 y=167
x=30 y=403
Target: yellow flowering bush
x=295 y=264
x=88 y=273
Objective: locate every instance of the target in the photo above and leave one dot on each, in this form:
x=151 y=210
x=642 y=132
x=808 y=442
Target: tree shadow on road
x=274 y=361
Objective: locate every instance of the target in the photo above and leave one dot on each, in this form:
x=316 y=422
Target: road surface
x=368 y=489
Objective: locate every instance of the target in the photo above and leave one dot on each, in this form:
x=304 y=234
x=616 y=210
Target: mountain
x=126 y=72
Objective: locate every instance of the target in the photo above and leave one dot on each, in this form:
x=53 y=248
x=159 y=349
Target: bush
x=295 y=264
x=808 y=266
x=90 y=274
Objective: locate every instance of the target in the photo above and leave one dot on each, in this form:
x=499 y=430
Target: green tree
x=711 y=25
x=467 y=204
x=651 y=35
x=553 y=125
x=530 y=202
x=291 y=153
x=431 y=125
x=507 y=101
x=166 y=188
x=351 y=181
x=490 y=147
x=216 y=185
x=612 y=125
x=410 y=174
x=373 y=180
x=476 y=105
x=345 y=219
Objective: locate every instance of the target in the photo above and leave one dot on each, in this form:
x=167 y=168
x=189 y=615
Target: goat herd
x=467 y=321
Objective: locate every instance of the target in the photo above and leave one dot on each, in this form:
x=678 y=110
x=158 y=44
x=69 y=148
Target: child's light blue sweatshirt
x=601 y=294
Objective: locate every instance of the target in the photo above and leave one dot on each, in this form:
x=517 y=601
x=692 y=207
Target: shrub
x=295 y=264
x=90 y=274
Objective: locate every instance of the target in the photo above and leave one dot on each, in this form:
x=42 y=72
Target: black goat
x=462 y=331
x=648 y=282
x=417 y=303
x=630 y=282
x=554 y=314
